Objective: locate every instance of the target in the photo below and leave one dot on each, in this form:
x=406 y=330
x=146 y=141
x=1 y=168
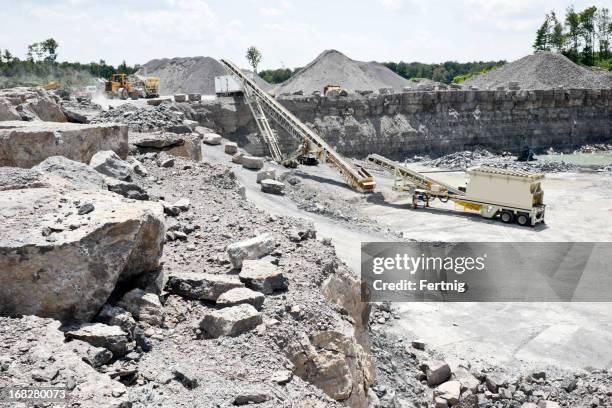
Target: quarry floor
x=517 y=336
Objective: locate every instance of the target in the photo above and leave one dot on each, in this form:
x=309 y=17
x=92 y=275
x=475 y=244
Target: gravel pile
x=184 y=75
x=188 y=75
x=481 y=157
x=542 y=70
x=142 y=119
x=334 y=68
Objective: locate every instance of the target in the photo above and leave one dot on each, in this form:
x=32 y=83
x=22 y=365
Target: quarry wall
x=435 y=122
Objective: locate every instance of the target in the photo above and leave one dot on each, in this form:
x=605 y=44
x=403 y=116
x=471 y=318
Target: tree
x=49 y=46
x=557 y=38
x=542 y=36
x=254 y=57
x=8 y=57
x=32 y=49
x=604 y=32
x=572 y=20
x=587 y=25
x=123 y=68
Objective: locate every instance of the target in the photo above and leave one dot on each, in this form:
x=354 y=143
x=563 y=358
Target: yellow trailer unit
x=513 y=195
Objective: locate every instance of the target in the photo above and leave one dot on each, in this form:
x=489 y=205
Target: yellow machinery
x=334 y=90
x=50 y=86
x=511 y=195
x=120 y=86
x=150 y=86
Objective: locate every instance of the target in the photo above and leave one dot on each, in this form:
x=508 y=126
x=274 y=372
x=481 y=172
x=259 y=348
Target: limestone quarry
x=153 y=254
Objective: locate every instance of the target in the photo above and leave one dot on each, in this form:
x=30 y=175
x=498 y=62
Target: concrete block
x=231 y=148
x=272 y=187
x=180 y=98
x=194 y=97
x=212 y=139
x=252 y=162
x=266 y=175
x=237 y=158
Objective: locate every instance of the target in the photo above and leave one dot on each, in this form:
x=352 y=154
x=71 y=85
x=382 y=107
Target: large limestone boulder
x=80 y=175
x=62 y=251
x=84 y=177
x=25 y=144
x=46 y=110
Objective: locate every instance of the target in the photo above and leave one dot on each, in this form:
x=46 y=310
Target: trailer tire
x=506 y=216
x=522 y=219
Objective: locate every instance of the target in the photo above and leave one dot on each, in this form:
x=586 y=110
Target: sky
x=289 y=33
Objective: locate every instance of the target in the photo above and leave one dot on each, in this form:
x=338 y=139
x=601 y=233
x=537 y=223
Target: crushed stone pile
x=189 y=75
x=142 y=119
x=481 y=157
x=184 y=75
x=332 y=67
x=542 y=70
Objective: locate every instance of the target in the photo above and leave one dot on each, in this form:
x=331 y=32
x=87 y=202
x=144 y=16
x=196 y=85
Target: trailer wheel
x=522 y=219
x=507 y=216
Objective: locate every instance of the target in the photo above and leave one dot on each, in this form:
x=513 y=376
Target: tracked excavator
x=312 y=145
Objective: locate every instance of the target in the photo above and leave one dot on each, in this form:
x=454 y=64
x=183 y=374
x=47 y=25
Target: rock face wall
x=435 y=122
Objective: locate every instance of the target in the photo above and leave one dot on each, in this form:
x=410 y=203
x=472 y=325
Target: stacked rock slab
x=25 y=144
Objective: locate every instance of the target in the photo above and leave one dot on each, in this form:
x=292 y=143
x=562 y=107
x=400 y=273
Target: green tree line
x=446 y=72
x=276 y=76
x=41 y=67
x=582 y=36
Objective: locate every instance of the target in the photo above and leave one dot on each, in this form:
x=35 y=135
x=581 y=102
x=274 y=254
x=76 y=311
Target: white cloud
x=270 y=11
x=392 y=5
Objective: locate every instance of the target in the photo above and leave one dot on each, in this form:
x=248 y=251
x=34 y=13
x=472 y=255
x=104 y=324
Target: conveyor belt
x=357 y=178
x=411 y=176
